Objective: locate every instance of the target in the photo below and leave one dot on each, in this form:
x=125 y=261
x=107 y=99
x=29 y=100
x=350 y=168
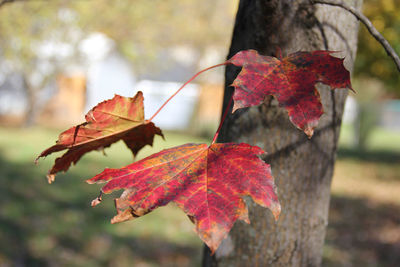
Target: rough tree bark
x=302 y=168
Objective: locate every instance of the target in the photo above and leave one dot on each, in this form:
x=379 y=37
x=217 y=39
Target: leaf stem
x=227 y=109
x=278 y=53
x=191 y=79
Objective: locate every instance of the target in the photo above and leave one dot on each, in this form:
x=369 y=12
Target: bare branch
x=372 y=30
x=3 y=2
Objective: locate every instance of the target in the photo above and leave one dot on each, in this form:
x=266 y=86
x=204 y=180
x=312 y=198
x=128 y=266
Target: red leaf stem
x=222 y=120
x=186 y=83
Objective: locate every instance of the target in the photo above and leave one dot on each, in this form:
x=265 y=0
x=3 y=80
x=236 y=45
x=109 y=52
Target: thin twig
x=3 y=2
x=372 y=30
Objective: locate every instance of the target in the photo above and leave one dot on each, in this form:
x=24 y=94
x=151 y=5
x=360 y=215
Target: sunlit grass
x=364 y=217
x=373 y=173
x=379 y=139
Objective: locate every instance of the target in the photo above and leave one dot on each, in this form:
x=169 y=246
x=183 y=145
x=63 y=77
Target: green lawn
x=44 y=224
x=379 y=140
x=54 y=225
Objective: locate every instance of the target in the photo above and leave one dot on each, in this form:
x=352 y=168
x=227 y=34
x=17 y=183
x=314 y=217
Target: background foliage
x=372 y=60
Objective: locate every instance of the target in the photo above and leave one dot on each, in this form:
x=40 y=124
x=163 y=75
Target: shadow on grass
x=361 y=233
x=373 y=155
x=54 y=225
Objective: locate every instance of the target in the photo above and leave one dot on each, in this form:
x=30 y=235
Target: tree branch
x=3 y=2
x=372 y=30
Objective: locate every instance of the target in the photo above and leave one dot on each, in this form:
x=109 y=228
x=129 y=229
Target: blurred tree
x=372 y=60
x=368 y=109
x=36 y=39
x=39 y=38
x=142 y=28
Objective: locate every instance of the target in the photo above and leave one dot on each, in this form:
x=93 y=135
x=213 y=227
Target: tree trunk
x=31 y=97
x=302 y=167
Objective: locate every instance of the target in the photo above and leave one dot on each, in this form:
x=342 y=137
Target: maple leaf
x=207 y=182
x=109 y=121
x=291 y=80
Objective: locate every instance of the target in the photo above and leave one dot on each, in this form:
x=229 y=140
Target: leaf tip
x=276 y=210
x=309 y=131
x=213 y=246
x=236 y=106
x=192 y=219
x=97 y=200
x=50 y=178
x=123 y=216
x=212 y=250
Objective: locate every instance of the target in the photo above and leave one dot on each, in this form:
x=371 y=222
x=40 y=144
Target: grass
x=380 y=139
x=364 y=216
x=44 y=224
x=54 y=225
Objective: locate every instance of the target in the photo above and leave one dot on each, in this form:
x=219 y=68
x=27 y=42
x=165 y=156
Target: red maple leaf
x=207 y=182
x=291 y=80
x=110 y=121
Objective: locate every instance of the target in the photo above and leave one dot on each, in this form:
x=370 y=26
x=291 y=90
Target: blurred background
x=60 y=58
